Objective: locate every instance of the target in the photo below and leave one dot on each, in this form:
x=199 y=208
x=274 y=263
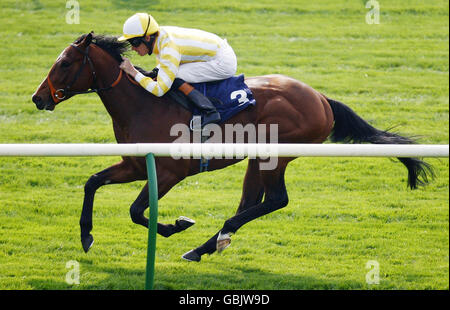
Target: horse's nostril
x=40 y=104
x=36 y=99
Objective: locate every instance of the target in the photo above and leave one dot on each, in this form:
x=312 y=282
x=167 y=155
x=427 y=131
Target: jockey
x=183 y=56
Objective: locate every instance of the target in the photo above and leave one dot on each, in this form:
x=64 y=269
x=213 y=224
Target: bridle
x=62 y=93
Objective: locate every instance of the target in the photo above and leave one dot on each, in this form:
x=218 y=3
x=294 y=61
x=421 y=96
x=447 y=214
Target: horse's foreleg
x=166 y=180
x=121 y=172
x=137 y=216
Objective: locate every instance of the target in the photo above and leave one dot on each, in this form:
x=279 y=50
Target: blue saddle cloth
x=233 y=93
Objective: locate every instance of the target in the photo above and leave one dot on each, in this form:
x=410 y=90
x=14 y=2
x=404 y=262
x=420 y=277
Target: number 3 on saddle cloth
x=229 y=96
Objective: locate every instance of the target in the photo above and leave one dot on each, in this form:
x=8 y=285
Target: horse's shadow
x=239 y=278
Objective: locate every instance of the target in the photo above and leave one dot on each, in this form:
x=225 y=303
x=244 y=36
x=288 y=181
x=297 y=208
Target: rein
x=60 y=94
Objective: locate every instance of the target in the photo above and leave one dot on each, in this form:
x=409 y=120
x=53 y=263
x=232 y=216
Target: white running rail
x=218 y=150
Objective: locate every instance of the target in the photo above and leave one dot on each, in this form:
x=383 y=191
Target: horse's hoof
x=184 y=223
x=223 y=241
x=191 y=256
x=87 y=242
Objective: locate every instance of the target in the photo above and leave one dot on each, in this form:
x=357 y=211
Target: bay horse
x=303 y=115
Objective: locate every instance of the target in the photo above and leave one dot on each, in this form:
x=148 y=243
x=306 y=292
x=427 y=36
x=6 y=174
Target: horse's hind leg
x=253 y=189
x=121 y=172
x=276 y=197
x=255 y=185
x=252 y=194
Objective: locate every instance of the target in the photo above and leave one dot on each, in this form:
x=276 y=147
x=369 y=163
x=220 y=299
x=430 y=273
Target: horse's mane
x=108 y=43
x=113 y=47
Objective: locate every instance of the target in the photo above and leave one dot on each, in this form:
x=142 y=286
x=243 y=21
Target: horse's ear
x=87 y=39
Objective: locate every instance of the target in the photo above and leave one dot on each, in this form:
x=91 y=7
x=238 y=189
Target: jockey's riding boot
x=208 y=110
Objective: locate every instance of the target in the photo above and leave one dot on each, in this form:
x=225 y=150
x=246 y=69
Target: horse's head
x=72 y=73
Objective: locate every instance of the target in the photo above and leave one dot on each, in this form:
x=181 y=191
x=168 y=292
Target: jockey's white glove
x=128 y=67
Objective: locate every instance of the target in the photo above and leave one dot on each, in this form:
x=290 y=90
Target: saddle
x=229 y=96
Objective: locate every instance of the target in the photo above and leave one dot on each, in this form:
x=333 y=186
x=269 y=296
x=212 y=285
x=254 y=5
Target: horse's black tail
x=350 y=128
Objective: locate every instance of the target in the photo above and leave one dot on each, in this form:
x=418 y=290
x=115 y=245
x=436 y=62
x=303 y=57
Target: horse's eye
x=65 y=64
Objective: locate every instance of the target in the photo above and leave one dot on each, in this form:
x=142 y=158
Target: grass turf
x=342 y=212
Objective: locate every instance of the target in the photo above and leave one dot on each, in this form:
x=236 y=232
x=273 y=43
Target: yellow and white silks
x=190 y=54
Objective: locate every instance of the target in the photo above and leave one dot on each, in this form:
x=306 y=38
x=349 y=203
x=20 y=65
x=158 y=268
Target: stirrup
x=214 y=118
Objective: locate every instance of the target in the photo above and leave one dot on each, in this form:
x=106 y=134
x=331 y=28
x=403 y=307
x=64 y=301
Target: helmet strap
x=152 y=38
x=149 y=44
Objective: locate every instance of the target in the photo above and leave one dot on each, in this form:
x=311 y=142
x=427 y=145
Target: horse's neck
x=133 y=109
x=121 y=104
x=121 y=101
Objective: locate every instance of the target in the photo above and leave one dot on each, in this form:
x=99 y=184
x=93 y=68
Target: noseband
x=62 y=93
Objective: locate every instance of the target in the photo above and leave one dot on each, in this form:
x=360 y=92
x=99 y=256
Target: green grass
x=342 y=212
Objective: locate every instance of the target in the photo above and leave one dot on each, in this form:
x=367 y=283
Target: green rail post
x=152 y=220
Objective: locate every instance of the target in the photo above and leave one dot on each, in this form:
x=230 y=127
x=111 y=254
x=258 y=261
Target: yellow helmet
x=139 y=25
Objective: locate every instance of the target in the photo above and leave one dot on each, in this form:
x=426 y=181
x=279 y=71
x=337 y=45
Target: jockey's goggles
x=135 y=42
